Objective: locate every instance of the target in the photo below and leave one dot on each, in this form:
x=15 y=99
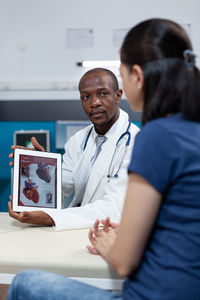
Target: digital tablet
x=36 y=181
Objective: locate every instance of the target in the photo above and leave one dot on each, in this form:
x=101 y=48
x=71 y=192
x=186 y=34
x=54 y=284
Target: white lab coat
x=103 y=197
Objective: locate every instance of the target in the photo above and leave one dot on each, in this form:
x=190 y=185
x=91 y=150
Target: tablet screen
x=37 y=181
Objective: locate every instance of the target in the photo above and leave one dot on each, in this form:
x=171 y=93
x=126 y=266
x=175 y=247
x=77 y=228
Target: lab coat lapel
x=101 y=165
x=79 y=175
x=100 y=169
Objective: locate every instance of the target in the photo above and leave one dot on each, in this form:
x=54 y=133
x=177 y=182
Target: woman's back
x=167 y=154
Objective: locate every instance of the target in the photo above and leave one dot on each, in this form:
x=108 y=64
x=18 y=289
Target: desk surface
x=24 y=246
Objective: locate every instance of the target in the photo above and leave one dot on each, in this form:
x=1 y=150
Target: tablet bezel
x=16 y=180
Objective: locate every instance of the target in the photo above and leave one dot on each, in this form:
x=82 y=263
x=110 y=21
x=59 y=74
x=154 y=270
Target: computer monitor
x=23 y=138
x=66 y=129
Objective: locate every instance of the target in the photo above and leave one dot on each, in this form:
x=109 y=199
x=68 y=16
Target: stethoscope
x=127 y=132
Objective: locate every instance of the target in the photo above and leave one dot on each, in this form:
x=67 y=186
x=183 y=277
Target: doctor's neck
x=103 y=126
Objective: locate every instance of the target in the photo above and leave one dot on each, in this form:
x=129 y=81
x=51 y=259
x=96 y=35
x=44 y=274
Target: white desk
x=24 y=246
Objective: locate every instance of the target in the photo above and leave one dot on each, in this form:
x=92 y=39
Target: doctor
x=97 y=178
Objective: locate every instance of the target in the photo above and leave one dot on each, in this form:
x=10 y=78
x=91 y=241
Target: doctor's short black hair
x=98 y=70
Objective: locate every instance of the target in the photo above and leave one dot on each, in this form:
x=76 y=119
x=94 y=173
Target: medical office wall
x=41 y=43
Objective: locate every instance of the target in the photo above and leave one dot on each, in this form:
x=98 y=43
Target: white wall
x=35 y=62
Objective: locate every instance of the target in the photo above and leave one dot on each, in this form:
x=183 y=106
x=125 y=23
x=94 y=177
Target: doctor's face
x=100 y=99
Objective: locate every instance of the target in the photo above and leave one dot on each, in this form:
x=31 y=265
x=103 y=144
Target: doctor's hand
x=102 y=239
x=35 y=144
x=31 y=217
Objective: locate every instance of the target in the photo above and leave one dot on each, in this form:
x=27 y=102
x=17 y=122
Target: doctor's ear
x=138 y=76
x=118 y=94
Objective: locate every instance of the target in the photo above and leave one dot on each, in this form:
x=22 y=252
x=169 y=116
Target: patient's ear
x=138 y=76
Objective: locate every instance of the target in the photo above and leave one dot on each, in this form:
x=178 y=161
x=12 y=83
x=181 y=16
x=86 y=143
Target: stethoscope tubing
x=127 y=132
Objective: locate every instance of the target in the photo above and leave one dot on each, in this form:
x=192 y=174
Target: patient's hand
x=107 y=225
x=35 y=144
x=31 y=217
x=102 y=238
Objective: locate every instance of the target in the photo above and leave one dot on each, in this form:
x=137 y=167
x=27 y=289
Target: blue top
x=167 y=155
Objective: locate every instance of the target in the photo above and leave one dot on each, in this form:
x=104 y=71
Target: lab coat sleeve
x=111 y=204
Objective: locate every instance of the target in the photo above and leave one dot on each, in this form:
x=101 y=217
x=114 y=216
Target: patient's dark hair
x=171 y=79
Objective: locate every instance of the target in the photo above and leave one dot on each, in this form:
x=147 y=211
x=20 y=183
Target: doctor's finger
x=11 y=212
x=10 y=207
x=11 y=163
x=11 y=156
x=13 y=147
x=36 y=145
